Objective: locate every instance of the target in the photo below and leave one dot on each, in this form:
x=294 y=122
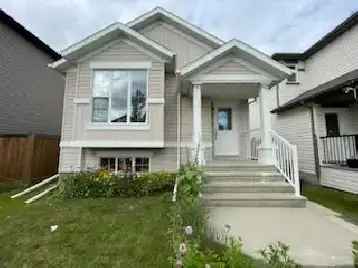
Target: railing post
x=295 y=170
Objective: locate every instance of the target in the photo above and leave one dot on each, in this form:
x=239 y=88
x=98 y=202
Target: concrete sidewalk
x=316 y=235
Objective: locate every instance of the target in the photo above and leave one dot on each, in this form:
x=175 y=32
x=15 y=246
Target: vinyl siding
x=77 y=117
x=70 y=160
x=185 y=46
x=343 y=179
x=296 y=126
x=230 y=66
x=31 y=94
x=170 y=109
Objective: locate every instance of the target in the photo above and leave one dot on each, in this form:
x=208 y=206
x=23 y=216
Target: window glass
x=224 y=119
x=119 y=95
x=292 y=77
x=141 y=164
x=108 y=164
x=125 y=165
x=138 y=96
x=100 y=110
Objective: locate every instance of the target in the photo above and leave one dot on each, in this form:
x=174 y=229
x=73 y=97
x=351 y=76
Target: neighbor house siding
x=339 y=178
x=296 y=126
x=31 y=94
x=186 y=47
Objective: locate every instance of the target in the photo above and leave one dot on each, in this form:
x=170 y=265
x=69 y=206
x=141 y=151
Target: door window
x=224 y=119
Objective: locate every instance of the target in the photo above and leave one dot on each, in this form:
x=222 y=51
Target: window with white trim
x=293 y=77
x=119 y=96
x=125 y=165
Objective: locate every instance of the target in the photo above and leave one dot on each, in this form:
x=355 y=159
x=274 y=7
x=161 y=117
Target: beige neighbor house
x=157 y=92
x=316 y=108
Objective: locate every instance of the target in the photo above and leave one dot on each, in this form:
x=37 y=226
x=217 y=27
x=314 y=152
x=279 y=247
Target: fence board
x=29 y=157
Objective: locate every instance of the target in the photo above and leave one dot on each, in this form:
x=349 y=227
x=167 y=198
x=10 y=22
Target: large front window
x=119 y=96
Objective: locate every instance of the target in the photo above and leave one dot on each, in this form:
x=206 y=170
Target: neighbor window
x=125 y=165
x=293 y=77
x=119 y=96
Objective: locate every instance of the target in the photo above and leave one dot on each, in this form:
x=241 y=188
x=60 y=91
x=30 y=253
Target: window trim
x=133 y=157
x=295 y=65
x=120 y=124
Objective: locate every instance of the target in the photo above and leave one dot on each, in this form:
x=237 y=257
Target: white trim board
x=112 y=144
x=121 y=65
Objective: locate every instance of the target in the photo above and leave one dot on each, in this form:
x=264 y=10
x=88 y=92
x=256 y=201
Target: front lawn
x=113 y=232
x=339 y=201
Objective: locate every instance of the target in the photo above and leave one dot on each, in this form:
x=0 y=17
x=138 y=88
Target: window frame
x=228 y=110
x=119 y=124
x=133 y=158
x=338 y=124
x=295 y=69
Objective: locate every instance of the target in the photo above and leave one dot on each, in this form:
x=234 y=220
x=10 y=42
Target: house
x=158 y=92
x=316 y=108
x=31 y=94
x=31 y=97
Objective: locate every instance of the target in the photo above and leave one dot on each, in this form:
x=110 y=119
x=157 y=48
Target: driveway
x=316 y=235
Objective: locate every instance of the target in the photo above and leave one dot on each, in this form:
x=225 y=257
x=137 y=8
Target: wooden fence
x=28 y=157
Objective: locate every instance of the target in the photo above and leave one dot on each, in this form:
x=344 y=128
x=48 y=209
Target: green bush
x=103 y=184
x=355 y=253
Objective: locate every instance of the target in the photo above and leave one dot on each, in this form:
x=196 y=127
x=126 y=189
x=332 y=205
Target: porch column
x=265 y=150
x=197 y=144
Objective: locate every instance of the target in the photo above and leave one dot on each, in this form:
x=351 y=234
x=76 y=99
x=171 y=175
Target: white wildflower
x=207 y=265
x=179 y=263
x=188 y=230
x=182 y=248
x=53 y=228
x=227 y=228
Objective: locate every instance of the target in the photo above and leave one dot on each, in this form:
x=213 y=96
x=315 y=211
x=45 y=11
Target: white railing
x=286 y=160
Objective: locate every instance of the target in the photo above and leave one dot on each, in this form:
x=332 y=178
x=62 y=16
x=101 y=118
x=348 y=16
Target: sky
x=268 y=25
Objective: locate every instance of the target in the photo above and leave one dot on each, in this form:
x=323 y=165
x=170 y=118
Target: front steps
x=247 y=184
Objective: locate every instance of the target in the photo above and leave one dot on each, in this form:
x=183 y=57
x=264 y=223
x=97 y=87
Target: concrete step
x=243 y=177
x=253 y=200
x=225 y=167
x=248 y=187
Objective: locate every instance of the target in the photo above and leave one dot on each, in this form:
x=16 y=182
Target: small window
x=141 y=164
x=125 y=165
x=293 y=77
x=332 y=126
x=224 y=119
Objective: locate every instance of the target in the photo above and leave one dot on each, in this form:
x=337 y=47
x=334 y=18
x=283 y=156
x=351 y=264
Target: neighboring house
x=158 y=91
x=31 y=99
x=316 y=108
x=31 y=94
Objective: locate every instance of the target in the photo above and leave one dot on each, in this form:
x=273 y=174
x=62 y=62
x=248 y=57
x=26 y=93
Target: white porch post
x=197 y=144
x=265 y=150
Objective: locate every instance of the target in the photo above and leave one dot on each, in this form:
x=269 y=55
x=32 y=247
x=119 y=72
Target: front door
x=226 y=129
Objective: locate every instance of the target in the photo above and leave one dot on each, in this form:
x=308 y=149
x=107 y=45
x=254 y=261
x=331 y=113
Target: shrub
x=355 y=253
x=104 y=184
x=276 y=255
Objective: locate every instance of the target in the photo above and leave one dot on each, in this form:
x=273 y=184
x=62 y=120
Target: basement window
x=125 y=165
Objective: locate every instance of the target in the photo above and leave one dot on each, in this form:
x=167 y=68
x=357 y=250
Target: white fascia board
x=121 y=65
x=112 y=144
x=116 y=27
x=178 y=20
x=229 y=45
x=56 y=64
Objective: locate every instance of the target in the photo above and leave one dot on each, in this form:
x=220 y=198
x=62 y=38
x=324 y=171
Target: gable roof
x=160 y=12
x=339 y=30
x=27 y=35
x=279 y=69
x=342 y=81
x=101 y=37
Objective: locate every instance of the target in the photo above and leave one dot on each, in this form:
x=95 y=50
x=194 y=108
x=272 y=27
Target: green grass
x=92 y=232
x=341 y=202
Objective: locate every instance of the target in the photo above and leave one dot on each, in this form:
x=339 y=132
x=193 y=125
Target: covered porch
x=226 y=79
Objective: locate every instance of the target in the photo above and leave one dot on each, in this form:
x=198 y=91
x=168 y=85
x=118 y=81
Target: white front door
x=226 y=129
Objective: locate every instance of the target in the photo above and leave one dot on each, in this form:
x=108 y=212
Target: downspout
x=178 y=122
x=315 y=144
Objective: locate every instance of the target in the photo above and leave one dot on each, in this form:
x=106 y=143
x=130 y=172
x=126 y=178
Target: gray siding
x=185 y=46
x=30 y=93
x=343 y=179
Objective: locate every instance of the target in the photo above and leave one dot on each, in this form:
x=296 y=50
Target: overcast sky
x=269 y=25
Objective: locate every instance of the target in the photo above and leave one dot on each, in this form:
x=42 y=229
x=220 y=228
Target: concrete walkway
x=316 y=235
